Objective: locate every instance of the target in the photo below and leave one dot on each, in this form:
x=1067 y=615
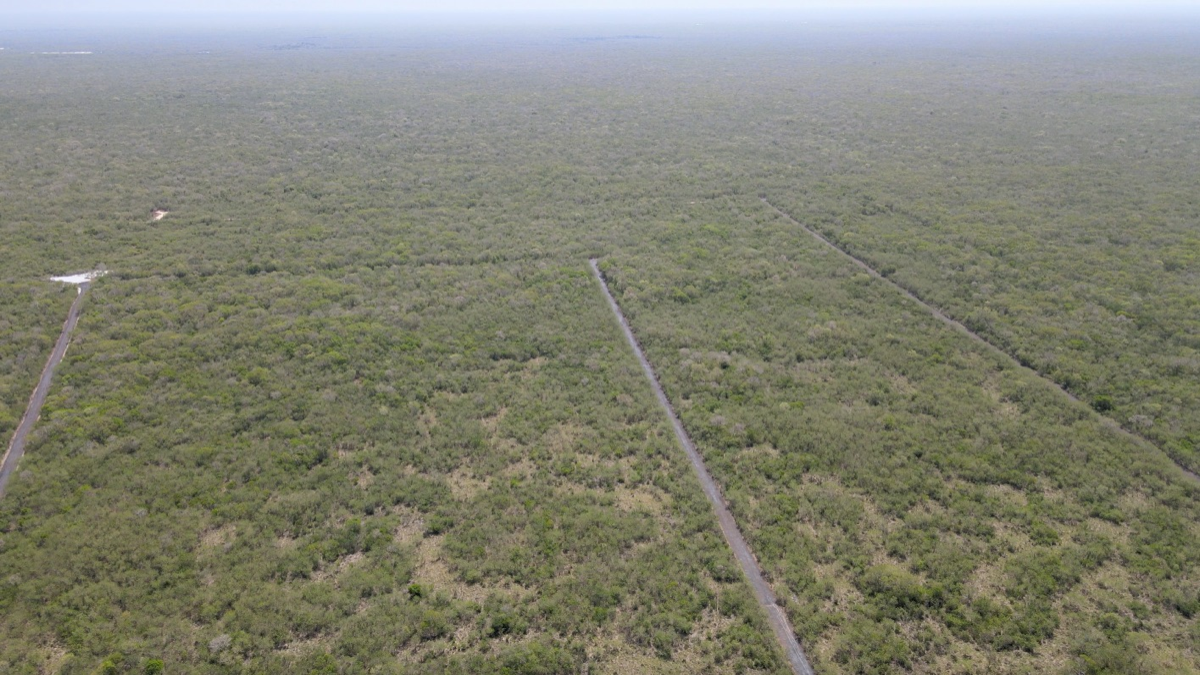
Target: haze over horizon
x=590 y=6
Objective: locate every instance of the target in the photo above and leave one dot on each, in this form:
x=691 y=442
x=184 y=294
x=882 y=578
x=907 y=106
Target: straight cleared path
x=16 y=447
x=762 y=592
x=945 y=318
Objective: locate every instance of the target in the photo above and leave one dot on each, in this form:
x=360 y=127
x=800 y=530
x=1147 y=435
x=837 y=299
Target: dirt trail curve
x=762 y=592
x=945 y=318
x=16 y=447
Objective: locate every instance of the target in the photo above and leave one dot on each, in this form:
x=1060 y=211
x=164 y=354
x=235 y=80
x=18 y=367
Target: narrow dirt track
x=762 y=592
x=16 y=447
x=945 y=318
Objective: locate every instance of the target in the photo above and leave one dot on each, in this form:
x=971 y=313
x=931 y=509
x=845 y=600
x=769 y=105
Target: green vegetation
x=464 y=494
x=1069 y=240
x=356 y=404
x=919 y=502
x=31 y=316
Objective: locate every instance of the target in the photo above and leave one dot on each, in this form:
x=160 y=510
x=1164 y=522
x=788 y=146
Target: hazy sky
x=502 y=6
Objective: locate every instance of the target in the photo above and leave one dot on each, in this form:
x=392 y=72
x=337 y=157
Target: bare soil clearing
x=81 y=278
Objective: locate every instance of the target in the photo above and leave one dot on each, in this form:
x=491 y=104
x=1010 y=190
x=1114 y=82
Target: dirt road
x=945 y=318
x=16 y=447
x=762 y=592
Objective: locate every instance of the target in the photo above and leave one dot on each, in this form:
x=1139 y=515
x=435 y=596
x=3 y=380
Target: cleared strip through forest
x=762 y=592
x=16 y=447
x=945 y=318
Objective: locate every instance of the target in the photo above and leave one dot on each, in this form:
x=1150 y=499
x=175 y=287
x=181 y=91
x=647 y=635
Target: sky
x=557 y=6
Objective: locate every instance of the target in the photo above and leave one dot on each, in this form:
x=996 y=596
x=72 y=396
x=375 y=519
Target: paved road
x=762 y=592
x=16 y=447
x=945 y=318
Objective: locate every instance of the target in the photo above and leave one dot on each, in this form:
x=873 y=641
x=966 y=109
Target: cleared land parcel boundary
x=762 y=591
x=16 y=446
x=945 y=318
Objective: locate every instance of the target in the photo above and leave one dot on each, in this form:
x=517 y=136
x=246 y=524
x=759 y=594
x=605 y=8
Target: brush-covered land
x=918 y=501
x=1055 y=214
x=356 y=405
x=31 y=316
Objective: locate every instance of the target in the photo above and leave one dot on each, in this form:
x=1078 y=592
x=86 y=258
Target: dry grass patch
x=845 y=595
x=814 y=372
x=762 y=450
x=427 y=420
x=611 y=653
x=563 y=437
x=1118 y=534
x=958 y=657
x=521 y=469
x=411 y=527
x=1005 y=409
x=875 y=525
x=532 y=367
x=619 y=662
x=333 y=571
x=221 y=537
x=1134 y=502
x=807 y=529
x=901 y=384
x=1110 y=589
x=459 y=643
x=638 y=548
x=641 y=498
x=347 y=561
x=822 y=650
x=1011 y=538
x=302 y=648
x=710 y=625
x=987 y=581
x=1006 y=494
x=434 y=573
x=491 y=424
x=463 y=486
x=53 y=658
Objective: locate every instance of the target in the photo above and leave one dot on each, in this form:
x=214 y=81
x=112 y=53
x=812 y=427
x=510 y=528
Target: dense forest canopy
x=356 y=405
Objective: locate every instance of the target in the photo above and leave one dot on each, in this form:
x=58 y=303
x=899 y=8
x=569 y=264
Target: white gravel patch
x=81 y=278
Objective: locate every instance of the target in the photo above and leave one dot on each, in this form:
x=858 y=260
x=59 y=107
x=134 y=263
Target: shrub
x=895 y=593
x=872 y=647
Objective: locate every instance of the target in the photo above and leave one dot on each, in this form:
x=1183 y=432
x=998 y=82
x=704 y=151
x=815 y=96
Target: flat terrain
x=767 y=601
x=358 y=406
x=915 y=498
x=33 y=410
x=31 y=315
